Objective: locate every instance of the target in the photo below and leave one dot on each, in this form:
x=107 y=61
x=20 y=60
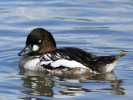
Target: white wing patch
x=67 y=63
x=47 y=56
x=63 y=62
x=57 y=55
x=47 y=60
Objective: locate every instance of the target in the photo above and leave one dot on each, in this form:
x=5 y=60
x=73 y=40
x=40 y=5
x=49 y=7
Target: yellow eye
x=39 y=41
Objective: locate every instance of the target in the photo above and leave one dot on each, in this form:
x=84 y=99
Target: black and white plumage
x=73 y=57
x=41 y=53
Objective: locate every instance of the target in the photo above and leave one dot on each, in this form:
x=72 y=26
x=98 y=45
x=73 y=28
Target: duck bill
x=27 y=50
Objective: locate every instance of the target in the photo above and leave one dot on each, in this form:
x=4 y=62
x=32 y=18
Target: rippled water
x=103 y=27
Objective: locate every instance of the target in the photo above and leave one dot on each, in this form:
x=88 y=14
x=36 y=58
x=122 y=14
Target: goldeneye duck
x=41 y=54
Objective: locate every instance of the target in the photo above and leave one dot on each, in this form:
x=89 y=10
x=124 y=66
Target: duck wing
x=70 y=57
x=67 y=57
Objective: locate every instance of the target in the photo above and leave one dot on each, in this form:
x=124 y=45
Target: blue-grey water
x=102 y=27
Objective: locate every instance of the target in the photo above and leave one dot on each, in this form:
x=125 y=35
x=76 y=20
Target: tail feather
x=120 y=55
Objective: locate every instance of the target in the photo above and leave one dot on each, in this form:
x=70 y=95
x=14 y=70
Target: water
x=98 y=26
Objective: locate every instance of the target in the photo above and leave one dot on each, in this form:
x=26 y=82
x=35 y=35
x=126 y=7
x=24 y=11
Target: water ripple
x=101 y=27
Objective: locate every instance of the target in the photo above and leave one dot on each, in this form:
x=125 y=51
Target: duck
x=41 y=54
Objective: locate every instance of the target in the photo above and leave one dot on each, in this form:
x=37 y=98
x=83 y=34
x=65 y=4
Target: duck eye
x=39 y=41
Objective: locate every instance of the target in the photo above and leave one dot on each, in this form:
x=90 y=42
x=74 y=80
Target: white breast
x=32 y=64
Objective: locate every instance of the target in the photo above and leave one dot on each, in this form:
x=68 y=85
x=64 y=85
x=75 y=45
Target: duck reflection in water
x=44 y=84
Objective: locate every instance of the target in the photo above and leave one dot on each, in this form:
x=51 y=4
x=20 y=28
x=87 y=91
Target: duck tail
x=123 y=53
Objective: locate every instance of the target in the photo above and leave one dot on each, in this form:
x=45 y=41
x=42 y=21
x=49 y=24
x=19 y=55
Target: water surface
x=100 y=27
